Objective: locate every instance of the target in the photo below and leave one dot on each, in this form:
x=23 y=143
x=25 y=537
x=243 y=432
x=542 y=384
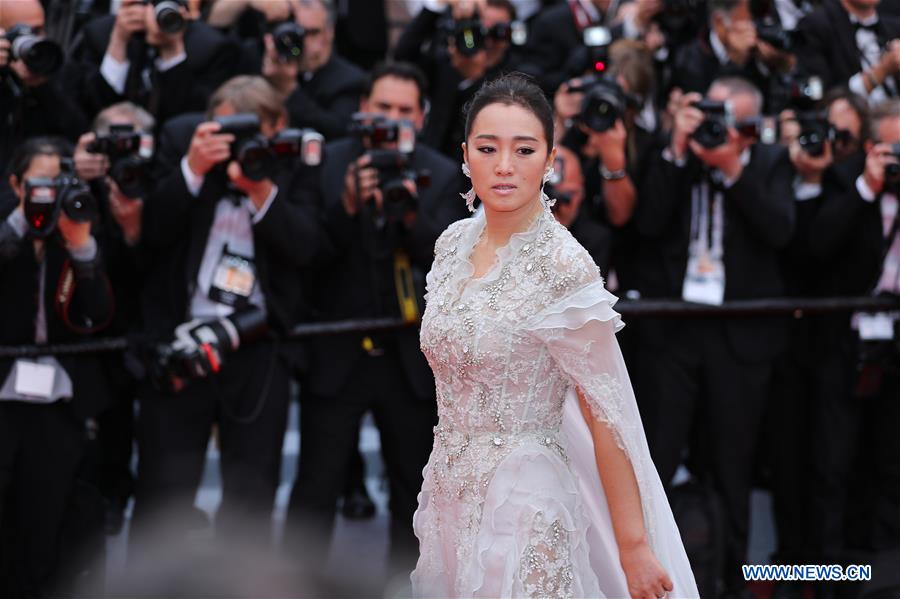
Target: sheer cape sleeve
x=579 y=332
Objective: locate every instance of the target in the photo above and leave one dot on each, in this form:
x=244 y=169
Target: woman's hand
x=645 y=576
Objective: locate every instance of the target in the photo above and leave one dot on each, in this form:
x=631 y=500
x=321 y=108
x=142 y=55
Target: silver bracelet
x=609 y=175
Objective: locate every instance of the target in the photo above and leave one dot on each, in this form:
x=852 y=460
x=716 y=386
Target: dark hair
x=514 y=89
x=857 y=104
x=37 y=146
x=401 y=70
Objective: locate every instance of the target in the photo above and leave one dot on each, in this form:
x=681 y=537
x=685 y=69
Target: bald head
x=28 y=12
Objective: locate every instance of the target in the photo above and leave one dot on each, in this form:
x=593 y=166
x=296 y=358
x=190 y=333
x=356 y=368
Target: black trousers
x=705 y=398
x=41 y=450
x=248 y=400
x=329 y=428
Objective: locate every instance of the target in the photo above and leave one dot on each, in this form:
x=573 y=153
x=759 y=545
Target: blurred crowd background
x=202 y=177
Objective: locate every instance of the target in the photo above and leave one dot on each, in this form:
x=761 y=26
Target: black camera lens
x=77 y=201
x=41 y=56
x=288 y=37
x=468 y=37
x=711 y=133
x=254 y=156
x=169 y=17
x=132 y=176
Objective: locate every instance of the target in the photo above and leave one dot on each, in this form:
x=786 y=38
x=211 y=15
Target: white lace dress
x=512 y=503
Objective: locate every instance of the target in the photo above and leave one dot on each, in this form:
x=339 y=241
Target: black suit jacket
x=86 y=308
x=696 y=67
x=357 y=280
x=759 y=220
x=328 y=100
x=553 y=52
x=827 y=42
x=176 y=227
x=211 y=60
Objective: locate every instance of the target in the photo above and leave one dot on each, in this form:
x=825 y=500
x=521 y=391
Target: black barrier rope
x=796 y=307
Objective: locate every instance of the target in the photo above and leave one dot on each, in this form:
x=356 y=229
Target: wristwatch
x=609 y=175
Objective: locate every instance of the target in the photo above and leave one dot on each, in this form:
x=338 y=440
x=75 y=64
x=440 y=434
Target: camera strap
x=406 y=290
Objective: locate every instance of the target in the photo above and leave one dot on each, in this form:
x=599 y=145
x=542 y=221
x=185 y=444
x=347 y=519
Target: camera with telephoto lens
x=772 y=33
x=892 y=171
x=258 y=155
x=168 y=15
x=42 y=56
x=795 y=90
x=815 y=132
x=288 y=39
x=394 y=170
x=718 y=118
x=45 y=197
x=199 y=347
x=128 y=168
x=394 y=165
x=469 y=35
x=604 y=102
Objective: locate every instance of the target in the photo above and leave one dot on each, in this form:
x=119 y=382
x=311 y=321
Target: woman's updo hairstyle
x=513 y=89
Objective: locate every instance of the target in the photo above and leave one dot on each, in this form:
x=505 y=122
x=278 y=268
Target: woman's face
x=42 y=165
x=507 y=154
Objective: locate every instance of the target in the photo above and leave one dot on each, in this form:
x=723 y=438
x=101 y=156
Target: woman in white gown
x=540 y=482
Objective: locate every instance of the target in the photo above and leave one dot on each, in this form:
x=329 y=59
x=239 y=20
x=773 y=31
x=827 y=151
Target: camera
x=815 y=131
x=394 y=169
x=795 y=90
x=168 y=15
x=45 y=197
x=42 y=56
x=718 y=117
x=378 y=130
x=394 y=165
x=469 y=35
x=774 y=34
x=892 y=171
x=604 y=102
x=288 y=38
x=259 y=155
x=128 y=168
x=199 y=347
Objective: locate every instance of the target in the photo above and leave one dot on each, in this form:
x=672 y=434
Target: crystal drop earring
x=469 y=196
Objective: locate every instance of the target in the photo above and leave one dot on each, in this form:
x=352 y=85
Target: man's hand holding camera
x=361 y=184
x=18 y=67
x=88 y=165
x=208 y=148
x=609 y=145
x=686 y=120
x=888 y=65
x=876 y=160
x=131 y=19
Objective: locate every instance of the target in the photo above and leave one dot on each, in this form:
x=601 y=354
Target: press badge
x=876 y=327
x=704 y=281
x=233 y=280
x=35 y=380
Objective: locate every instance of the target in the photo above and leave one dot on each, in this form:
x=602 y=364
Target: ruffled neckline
x=503 y=254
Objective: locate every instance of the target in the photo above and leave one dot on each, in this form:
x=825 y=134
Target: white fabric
x=170 y=63
x=512 y=503
x=115 y=73
x=870 y=49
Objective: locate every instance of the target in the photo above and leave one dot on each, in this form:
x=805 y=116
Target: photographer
x=569 y=210
x=118 y=149
x=53 y=289
x=230 y=229
x=555 y=49
x=715 y=209
x=383 y=222
x=166 y=63
x=614 y=130
x=731 y=48
x=854 y=232
x=855 y=44
x=436 y=41
x=818 y=142
x=322 y=89
x=32 y=100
